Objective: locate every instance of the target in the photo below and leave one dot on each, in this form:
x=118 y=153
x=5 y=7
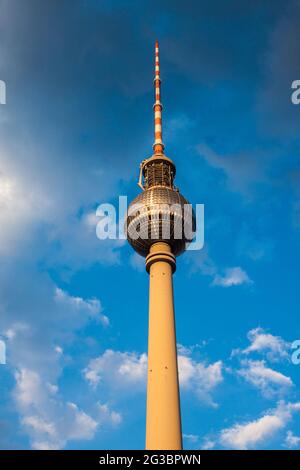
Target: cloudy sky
x=73 y=309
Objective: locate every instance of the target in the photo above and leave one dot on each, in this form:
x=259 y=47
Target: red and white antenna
x=158 y=145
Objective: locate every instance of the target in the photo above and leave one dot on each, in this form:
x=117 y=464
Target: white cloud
x=274 y=346
x=228 y=277
x=91 y=306
x=200 y=378
x=20 y=207
x=58 y=225
x=29 y=388
x=117 y=369
x=53 y=389
x=79 y=245
x=291 y=441
x=45 y=445
x=30 y=316
x=192 y=438
x=232 y=277
x=245 y=436
x=207 y=444
x=42 y=191
x=39 y=425
x=90 y=220
x=30 y=323
x=109 y=415
x=79 y=424
x=183 y=350
x=188 y=350
x=255 y=433
x=15 y=329
x=269 y=381
x=49 y=421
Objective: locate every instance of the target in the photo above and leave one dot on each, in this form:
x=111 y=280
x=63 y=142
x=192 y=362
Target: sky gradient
x=73 y=310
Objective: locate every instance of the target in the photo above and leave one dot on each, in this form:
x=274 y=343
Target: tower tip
x=158 y=145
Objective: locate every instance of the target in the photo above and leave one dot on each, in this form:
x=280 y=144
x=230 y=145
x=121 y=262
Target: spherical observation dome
x=160 y=214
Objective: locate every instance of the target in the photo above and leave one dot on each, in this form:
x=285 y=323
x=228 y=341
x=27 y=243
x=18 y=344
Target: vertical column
x=163 y=421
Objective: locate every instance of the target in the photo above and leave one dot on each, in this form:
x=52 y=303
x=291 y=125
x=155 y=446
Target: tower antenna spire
x=158 y=145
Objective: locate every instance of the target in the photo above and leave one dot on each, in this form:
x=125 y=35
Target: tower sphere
x=160 y=212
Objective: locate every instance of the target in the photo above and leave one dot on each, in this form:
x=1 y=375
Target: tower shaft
x=163 y=422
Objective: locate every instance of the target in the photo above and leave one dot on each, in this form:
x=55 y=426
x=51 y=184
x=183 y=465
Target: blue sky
x=73 y=309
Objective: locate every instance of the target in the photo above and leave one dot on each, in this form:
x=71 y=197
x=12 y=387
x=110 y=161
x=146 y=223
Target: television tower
x=160 y=223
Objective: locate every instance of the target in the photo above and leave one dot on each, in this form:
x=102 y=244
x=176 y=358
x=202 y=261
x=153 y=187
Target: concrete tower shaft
x=163 y=423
